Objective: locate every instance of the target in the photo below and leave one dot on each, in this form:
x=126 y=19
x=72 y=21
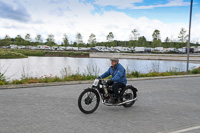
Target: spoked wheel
x=88 y=101
x=128 y=94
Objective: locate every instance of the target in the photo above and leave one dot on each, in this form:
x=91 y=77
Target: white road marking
x=185 y=130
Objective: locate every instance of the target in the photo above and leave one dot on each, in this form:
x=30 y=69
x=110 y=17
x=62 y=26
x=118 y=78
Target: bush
x=57 y=79
x=195 y=71
x=17 y=82
x=3 y=83
x=2 y=77
x=152 y=74
x=135 y=74
x=33 y=80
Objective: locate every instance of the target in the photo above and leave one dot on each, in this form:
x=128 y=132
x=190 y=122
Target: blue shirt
x=118 y=74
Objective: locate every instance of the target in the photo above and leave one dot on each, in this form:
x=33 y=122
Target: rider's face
x=113 y=63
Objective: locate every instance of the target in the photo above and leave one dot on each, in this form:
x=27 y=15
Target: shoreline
x=164 y=57
x=23 y=53
x=190 y=61
x=171 y=57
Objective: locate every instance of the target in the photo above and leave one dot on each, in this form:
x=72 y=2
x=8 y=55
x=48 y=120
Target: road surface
x=164 y=105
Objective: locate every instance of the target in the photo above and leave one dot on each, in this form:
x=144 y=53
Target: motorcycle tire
x=134 y=93
x=88 y=101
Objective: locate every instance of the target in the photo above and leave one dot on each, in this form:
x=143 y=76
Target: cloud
x=171 y=3
x=124 y=4
x=59 y=11
x=15 y=11
x=117 y=3
x=80 y=19
x=197 y=16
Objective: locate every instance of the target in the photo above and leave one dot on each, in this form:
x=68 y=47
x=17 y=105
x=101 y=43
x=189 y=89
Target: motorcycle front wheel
x=88 y=101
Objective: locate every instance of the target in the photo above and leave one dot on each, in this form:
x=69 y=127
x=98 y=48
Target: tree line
x=135 y=40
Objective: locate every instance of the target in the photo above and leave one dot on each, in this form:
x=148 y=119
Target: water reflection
x=40 y=66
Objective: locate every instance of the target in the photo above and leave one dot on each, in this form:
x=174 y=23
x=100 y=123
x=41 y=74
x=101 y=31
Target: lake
x=40 y=66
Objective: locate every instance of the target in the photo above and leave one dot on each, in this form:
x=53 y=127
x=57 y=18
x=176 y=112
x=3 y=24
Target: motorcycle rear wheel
x=128 y=91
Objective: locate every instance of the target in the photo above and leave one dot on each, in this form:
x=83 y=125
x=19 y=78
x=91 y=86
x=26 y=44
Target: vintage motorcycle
x=89 y=99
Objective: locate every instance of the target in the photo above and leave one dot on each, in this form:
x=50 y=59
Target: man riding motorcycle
x=118 y=79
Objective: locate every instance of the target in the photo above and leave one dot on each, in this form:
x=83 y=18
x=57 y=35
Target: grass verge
x=10 y=54
x=23 y=53
x=81 y=77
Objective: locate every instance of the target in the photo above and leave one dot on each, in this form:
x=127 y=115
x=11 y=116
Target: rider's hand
x=110 y=82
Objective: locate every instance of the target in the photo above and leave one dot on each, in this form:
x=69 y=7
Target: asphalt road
x=164 y=105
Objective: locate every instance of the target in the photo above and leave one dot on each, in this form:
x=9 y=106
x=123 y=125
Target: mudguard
x=88 y=88
x=130 y=86
x=91 y=89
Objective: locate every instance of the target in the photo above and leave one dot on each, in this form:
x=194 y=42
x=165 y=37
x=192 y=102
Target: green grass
x=48 y=79
x=23 y=53
x=68 y=54
x=154 y=74
x=80 y=77
x=10 y=54
x=29 y=52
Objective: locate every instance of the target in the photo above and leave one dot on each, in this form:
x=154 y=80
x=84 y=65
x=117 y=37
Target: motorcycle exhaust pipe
x=127 y=101
x=110 y=104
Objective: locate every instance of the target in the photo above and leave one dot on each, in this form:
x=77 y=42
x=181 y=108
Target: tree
x=182 y=35
x=142 y=41
x=156 y=35
x=156 y=38
x=92 y=39
x=50 y=40
x=167 y=43
x=18 y=37
x=65 y=40
x=110 y=37
x=134 y=35
x=19 y=40
x=79 y=38
x=38 y=38
x=7 y=40
x=7 y=37
x=28 y=37
x=167 y=39
x=132 y=43
x=156 y=43
x=74 y=44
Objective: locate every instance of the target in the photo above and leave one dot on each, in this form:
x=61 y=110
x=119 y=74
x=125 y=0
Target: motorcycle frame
x=103 y=100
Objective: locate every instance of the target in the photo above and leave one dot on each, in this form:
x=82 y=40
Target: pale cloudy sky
x=99 y=17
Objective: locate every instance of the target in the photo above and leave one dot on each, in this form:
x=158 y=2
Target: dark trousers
x=115 y=88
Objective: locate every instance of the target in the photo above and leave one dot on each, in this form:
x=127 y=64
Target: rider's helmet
x=114 y=59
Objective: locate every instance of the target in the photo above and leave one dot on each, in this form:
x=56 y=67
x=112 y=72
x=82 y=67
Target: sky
x=99 y=17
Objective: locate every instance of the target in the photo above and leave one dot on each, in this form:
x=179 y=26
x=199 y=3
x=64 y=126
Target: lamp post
x=188 y=45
